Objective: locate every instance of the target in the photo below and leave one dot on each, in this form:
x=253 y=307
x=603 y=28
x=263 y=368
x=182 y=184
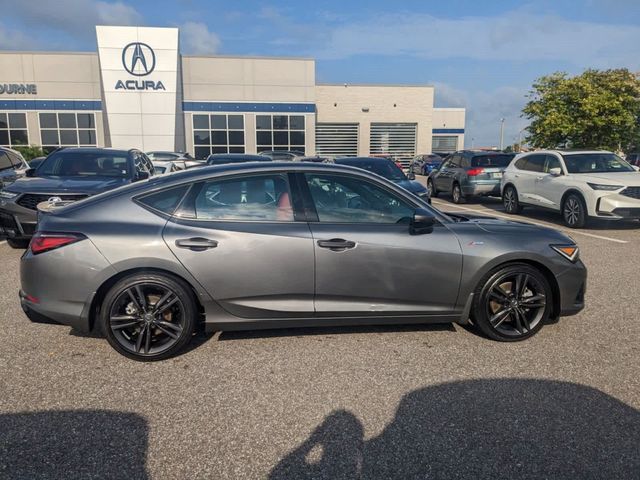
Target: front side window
x=67 y=129
x=264 y=198
x=69 y=163
x=13 y=129
x=596 y=163
x=344 y=199
x=218 y=133
x=552 y=162
x=280 y=132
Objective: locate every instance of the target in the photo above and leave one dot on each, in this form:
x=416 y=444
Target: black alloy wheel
x=512 y=303
x=148 y=316
x=510 y=200
x=574 y=211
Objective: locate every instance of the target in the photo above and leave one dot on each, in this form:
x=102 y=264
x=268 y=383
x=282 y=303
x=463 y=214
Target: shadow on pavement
x=73 y=444
x=480 y=429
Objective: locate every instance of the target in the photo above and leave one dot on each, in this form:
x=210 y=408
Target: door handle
x=197 y=244
x=336 y=244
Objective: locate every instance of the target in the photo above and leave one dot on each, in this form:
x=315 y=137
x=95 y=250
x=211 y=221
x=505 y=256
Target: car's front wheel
x=574 y=211
x=148 y=316
x=512 y=303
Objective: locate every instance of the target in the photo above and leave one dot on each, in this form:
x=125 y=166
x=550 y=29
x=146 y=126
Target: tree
x=598 y=109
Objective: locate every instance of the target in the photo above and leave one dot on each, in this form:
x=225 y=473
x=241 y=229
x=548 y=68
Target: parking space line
x=511 y=217
x=2 y=241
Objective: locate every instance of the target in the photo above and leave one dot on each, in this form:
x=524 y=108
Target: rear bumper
x=572 y=284
x=488 y=187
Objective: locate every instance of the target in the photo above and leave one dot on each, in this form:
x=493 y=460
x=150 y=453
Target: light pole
x=501 y=133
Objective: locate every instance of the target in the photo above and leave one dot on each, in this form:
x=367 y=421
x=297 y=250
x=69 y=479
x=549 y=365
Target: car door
x=550 y=188
x=529 y=170
x=238 y=237
x=444 y=177
x=367 y=261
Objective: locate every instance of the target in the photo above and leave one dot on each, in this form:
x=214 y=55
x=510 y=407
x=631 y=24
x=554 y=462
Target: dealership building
x=138 y=91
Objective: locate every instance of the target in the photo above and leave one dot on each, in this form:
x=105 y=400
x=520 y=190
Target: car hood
x=411 y=185
x=618 y=178
x=55 y=184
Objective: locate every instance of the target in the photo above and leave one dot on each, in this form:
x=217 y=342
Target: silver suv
x=12 y=166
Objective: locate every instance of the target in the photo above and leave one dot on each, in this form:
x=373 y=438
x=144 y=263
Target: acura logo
x=54 y=199
x=138 y=59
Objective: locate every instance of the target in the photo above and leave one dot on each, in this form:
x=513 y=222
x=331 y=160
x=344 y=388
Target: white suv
x=579 y=184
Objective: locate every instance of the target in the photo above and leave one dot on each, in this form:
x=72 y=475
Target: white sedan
x=579 y=184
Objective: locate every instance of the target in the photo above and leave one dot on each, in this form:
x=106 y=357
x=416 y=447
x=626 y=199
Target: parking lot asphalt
x=368 y=402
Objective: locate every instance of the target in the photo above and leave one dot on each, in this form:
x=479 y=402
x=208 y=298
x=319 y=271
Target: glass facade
x=67 y=129
x=218 y=133
x=13 y=129
x=280 y=132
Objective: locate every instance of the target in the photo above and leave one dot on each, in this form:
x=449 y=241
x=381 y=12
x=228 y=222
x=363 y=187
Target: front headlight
x=570 y=252
x=610 y=188
x=6 y=194
x=423 y=194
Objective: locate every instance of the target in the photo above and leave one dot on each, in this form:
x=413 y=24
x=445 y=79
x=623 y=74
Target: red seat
x=285 y=211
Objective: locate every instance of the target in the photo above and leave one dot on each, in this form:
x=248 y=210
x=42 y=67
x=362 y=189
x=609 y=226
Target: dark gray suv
x=68 y=174
x=469 y=173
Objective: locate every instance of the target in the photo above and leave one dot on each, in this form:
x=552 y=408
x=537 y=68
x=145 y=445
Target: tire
x=456 y=193
x=433 y=193
x=574 y=211
x=155 y=328
x=510 y=200
x=17 y=243
x=502 y=315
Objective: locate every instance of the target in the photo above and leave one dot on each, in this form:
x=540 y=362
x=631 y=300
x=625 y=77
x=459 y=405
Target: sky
x=482 y=55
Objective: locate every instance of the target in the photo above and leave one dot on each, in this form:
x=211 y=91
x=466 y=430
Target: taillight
x=43 y=242
x=475 y=171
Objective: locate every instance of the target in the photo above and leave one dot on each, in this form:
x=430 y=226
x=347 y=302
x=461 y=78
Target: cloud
x=14 y=39
x=196 y=39
x=75 y=18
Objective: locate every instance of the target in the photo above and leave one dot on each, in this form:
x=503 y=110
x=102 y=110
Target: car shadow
x=73 y=444
x=339 y=330
x=477 y=429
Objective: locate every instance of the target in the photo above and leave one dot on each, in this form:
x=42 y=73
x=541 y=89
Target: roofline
x=45 y=52
x=247 y=57
x=347 y=84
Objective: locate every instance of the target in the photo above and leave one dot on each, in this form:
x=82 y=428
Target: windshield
x=384 y=168
x=491 y=160
x=596 y=163
x=68 y=163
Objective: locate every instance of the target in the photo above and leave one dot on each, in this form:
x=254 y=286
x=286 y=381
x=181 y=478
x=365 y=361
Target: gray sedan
x=265 y=245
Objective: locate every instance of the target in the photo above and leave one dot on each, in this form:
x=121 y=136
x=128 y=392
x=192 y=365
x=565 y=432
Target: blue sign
x=138 y=59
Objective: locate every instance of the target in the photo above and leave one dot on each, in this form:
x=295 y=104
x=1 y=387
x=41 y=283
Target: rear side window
x=5 y=163
x=15 y=159
x=491 y=160
x=164 y=201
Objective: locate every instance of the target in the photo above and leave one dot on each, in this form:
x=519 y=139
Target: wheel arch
x=102 y=290
x=504 y=187
x=569 y=192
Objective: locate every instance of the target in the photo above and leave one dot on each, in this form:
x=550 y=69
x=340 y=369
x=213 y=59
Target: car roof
x=95 y=149
x=233 y=155
x=561 y=151
x=361 y=159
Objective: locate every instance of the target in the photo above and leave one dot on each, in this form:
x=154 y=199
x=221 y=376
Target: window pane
x=281 y=138
x=201 y=137
x=86 y=120
x=68 y=137
x=165 y=201
x=280 y=122
x=236 y=138
x=17 y=120
x=342 y=199
x=49 y=137
x=47 y=149
x=218 y=138
x=236 y=149
x=19 y=137
x=263 y=122
x=263 y=138
x=3 y=120
x=4 y=138
x=236 y=122
x=218 y=122
x=219 y=150
x=67 y=120
x=296 y=122
x=202 y=153
x=201 y=122
x=48 y=120
x=260 y=198
x=87 y=137
x=297 y=138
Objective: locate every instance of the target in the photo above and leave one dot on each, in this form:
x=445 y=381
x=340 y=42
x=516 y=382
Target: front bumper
x=486 y=187
x=572 y=284
x=617 y=207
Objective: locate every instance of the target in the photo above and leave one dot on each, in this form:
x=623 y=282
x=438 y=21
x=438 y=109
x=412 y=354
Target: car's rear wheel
x=17 y=243
x=574 y=211
x=512 y=303
x=148 y=316
x=433 y=193
x=510 y=200
x=456 y=193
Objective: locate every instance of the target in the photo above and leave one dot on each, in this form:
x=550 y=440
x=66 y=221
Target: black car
x=222 y=158
x=315 y=159
x=68 y=174
x=425 y=164
x=35 y=162
x=389 y=170
x=282 y=155
x=12 y=166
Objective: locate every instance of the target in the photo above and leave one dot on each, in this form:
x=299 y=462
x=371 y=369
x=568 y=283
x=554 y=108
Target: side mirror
x=411 y=175
x=30 y=172
x=422 y=222
x=142 y=175
x=555 y=171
